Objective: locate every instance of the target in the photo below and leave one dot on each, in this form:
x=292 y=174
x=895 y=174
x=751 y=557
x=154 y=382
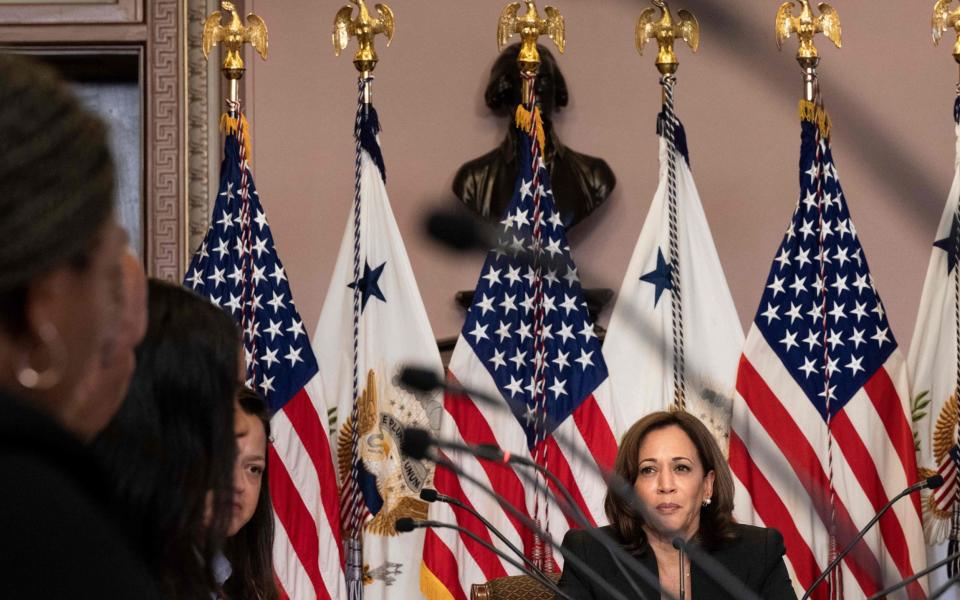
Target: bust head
x=503 y=90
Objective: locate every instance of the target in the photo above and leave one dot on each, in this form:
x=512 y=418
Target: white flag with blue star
x=933 y=364
x=641 y=346
x=373 y=323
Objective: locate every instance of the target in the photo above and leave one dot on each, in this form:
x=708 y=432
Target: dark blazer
x=755 y=557
x=56 y=537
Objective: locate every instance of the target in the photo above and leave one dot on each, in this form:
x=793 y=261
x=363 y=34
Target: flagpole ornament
x=530 y=27
x=234 y=35
x=364 y=27
x=807 y=26
x=943 y=19
x=666 y=31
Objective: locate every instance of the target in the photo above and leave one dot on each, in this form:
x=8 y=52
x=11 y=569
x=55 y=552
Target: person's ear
x=708 y=480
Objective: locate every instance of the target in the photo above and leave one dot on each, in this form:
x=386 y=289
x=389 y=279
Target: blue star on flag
x=949 y=244
x=369 y=284
x=661 y=277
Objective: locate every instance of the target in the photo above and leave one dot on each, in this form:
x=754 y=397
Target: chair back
x=513 y=587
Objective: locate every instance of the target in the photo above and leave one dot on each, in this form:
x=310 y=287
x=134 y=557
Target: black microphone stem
x=490 y=527
x=943 y=590
x=574 y=511
x=846 y=550
x=914 y=577
x=533 y=571
x=532 y=525
x=716 y=571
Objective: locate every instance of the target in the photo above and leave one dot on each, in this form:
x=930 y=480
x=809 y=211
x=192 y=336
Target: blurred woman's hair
x=250 y=550
x=170 y=449
x=56 y=182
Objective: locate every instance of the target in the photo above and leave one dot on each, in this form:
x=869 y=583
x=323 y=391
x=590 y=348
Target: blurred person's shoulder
x=58 y=538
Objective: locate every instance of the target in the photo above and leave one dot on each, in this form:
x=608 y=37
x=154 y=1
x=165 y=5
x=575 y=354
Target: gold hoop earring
x=32 y=379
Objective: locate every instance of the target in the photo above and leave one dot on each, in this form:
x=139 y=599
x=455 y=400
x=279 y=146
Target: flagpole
x=365 y=28
x=666 y=30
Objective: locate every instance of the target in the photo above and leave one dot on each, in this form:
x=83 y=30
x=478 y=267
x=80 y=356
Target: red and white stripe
x=779 y=457
x=307 y=551
x=453 y=559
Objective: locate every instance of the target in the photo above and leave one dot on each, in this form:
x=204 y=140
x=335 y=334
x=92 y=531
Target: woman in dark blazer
x=686 y=489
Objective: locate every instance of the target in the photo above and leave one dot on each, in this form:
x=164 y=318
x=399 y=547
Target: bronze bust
x=580 y=183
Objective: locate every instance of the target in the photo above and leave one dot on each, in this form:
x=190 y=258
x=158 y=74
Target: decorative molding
x=165 y=151
x=13 y=12
x=199 y=110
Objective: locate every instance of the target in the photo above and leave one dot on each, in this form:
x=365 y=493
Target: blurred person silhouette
x=245 y=569
x=61 y=288
x=170 y=448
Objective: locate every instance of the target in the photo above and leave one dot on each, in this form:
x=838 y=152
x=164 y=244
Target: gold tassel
x=817 y=115
x=228 y=125
x=523 y=121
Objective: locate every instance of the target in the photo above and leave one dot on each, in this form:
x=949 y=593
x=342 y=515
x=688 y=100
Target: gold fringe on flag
x=524 y=121
x=817 y=115
x=228 y=125
x=431 y=587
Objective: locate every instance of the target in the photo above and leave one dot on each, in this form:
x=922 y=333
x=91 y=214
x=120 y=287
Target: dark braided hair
x=56 y=181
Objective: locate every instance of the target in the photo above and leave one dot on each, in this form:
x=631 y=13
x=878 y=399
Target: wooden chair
x=514 y=587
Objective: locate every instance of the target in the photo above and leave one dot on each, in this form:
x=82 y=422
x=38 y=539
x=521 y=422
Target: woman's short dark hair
x=716 y=519
x=170 y=449
x=56 y=181
x=504 y=88
x=250 y=550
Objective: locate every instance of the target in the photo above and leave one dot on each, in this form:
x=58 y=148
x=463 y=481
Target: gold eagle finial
x=364 y=28
x=806 y=26
x=530 y=27
x=234 y=35
x=943 y=19
x=666 y=31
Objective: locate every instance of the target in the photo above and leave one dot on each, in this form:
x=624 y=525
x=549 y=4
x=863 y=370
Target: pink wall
x=889 y=91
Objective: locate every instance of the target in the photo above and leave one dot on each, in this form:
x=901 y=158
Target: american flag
x=528 y=339
x=237 y=267
x=821 y=436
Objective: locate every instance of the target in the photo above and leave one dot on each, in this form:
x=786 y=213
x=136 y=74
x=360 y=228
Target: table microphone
x=416 y=444
x=928 y=483
x=914 y=577
x=406 y=524
x=717 y=572
x=431 y=496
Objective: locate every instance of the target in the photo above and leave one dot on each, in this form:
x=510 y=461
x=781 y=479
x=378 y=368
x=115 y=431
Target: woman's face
x=671 y=484
x=83 y=305
x=249 y=468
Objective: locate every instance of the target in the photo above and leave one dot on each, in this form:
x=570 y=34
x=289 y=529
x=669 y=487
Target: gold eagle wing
x=941 y=19
x=256 y=34
x=689 y=29
x=212 y=32
x=646 y=28
x=784 y=23
x=556 y=28
x=341 y=28
x=387 y=21
x=829 y=23
x=507 y=24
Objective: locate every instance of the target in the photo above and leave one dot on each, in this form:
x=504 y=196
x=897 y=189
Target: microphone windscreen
x=678 y=543
x=457 y=232
x=428 y=495
x=934 y=482
x=419 y=379
x=416 y=442
x=404 y=525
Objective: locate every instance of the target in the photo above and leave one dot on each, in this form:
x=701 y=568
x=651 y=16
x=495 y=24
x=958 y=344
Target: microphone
x=928 y=483
x=717 y=572
x=416 y=444
x=914 y=577
x=431 y=496
x=406 y=524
